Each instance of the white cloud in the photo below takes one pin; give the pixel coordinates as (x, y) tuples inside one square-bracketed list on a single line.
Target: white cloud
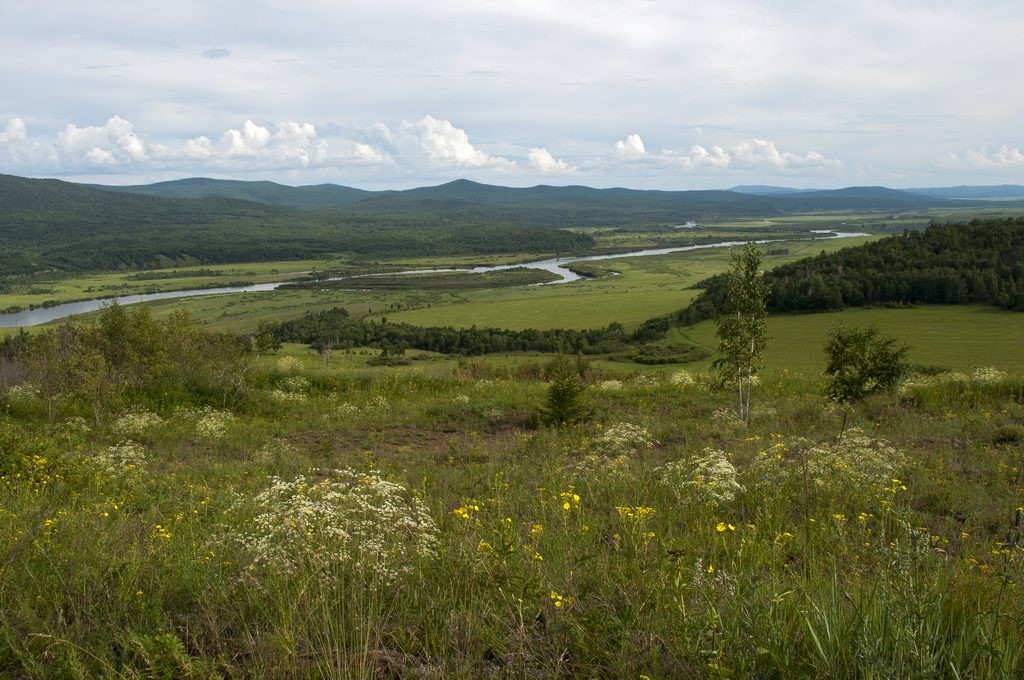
[(444, 144), (1003, 157), (716, 157), (15, 132), (754, 154), (542, 160), (114, 142), (630, 147)]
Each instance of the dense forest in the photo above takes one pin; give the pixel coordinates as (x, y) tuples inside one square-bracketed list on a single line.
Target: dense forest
[(981, 261)]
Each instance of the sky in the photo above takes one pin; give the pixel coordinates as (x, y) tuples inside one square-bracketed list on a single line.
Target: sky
[(648, 94)]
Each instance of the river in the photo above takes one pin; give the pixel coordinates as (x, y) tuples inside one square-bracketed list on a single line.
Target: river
[(41, 315)]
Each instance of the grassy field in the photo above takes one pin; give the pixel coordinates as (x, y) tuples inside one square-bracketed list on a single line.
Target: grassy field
[(337, 520), (646, 287), (953, 338)]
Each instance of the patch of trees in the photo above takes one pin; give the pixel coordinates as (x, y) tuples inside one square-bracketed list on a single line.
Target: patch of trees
[(125, 356), (335, 329), (981, 261)]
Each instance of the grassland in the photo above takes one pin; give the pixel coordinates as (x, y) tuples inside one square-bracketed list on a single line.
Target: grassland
[(180, 538)]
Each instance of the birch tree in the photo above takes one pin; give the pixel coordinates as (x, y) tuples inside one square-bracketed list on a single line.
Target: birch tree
[(741, 326)]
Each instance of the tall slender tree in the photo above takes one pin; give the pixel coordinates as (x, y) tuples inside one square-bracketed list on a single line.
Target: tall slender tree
[(741, 326)]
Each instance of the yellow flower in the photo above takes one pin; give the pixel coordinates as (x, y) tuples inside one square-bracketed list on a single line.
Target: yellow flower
[(723, 526)]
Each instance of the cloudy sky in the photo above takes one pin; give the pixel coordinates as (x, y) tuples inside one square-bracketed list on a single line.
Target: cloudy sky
[(391, 94)]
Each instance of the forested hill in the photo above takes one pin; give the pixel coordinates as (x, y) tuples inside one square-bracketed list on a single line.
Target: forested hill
[(53, 225), (270, 193), (539, 205), (978, 262)]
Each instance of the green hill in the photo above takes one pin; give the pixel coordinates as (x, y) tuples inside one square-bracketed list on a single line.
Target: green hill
[(270, 193)]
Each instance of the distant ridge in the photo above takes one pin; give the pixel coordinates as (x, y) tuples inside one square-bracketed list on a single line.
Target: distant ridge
[(1002, 191), (766, 190), (269, 193)]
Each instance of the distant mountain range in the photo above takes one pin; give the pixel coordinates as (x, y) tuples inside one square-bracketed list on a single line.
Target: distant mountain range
[(992, 193), (51, 224), (465, 193)]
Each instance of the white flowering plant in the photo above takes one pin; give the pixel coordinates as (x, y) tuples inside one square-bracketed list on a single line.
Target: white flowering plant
[(710, 479), (335, 519)]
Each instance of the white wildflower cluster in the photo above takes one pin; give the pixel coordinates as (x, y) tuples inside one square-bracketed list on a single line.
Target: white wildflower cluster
[(378, 403), (282, 397), (213, 423), (345, 519), (645, 380), (624, 439), (75, 426), (682, 378), (22, 392), (709, 479), (135, 422), (988, 376), (460, 399), (609, 385), (349, 410), (916, 381), (857, 462), (296, 384), (292, 390), (981, 376), (122, 460), (288, 365)]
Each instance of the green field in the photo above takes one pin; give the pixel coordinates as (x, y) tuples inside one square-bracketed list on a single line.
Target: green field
[(954, 338)]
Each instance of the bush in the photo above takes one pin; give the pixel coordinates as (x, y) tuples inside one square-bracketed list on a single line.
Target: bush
[(566, 401), (862, 363)]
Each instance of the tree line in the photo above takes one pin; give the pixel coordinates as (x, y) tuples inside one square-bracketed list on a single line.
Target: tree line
[(977, 262), (336, 329)]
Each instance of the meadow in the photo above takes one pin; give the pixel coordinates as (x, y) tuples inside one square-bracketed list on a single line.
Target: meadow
[(339, 520)]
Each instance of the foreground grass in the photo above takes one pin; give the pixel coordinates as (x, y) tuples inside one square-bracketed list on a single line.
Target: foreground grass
[(601, 550)]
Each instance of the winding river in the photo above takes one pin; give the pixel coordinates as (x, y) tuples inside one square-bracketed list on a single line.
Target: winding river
[(556, 265)]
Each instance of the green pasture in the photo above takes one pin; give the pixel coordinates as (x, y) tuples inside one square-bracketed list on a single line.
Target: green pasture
[(948, 337)]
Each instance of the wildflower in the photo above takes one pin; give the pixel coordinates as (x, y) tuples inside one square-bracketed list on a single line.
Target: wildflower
[(722, 527), (537, 557), (710, 479), (638, 514), (135, 422), (610, 385), (988, 376), (682, 378), (624, 439), (121, 460), (358, 520), (570, 499)]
